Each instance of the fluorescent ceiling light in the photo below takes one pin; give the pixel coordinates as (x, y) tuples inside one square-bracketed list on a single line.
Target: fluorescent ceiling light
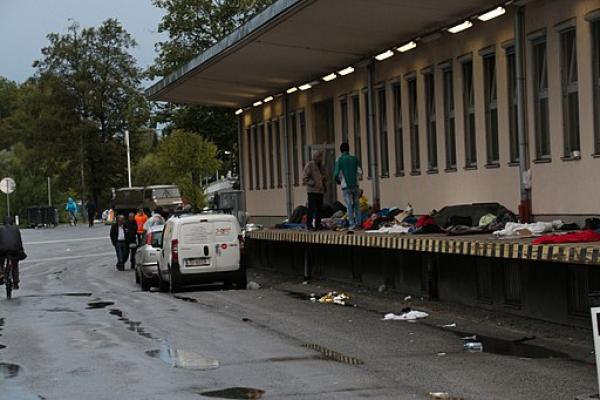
[(257, 103), (384, 55), (406, 47), (460, 27), (306, 86), (238, 112), (496, 12), (292, 90), (346, 71), (329, 77), (268, 99)]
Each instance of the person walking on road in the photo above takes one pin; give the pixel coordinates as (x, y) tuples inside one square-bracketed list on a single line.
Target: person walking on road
[(11, 248), (140, 220), (118, 237), (315, 179), (346, 173), (90, 207), (133, 241), (72, 208)]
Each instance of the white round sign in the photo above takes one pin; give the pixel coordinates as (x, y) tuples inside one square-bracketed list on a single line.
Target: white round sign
[(8, 185)]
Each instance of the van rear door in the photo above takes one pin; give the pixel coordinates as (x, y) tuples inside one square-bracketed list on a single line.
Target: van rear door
[(227, 246), (196, 247)]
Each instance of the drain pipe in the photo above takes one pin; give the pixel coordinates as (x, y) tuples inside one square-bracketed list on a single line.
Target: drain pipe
[(524, 177), (286, 159), (371, 138)]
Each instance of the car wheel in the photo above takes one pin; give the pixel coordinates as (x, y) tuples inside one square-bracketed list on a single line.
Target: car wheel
[(162, 285), (145, 283)]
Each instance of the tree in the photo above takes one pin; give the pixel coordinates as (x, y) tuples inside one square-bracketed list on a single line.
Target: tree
[(185, 159), (95, 67), (193, 27)]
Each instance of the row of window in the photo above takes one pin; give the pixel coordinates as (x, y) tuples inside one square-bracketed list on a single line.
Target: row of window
[(264, 151), (570, 93)]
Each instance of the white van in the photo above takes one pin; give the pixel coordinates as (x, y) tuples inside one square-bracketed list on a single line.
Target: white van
[(201, 248)]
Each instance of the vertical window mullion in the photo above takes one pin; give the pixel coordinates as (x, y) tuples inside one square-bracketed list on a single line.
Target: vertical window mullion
[(249, 149), (263, 155), (302, 128), (450, 132), (369, 160), (294, 148), (414, 126), (469, 110), (356, 125), (344, 117), (277, 131), (596, 82), (398, 141), (570, 89), (383, 134), (271, 156), (491, 109), (256, 158)]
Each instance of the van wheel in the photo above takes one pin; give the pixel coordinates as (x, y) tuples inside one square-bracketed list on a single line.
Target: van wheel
[(137, 276), (242, 281), (162, 285), (173, 281), (145, 283)]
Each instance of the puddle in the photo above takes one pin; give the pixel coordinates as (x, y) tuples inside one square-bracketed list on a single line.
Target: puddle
[(76, 294), (516, 348), (95, 305), (133, 326), (8, 371), (59, 309), (177, 358), (188, 299), (116, 312), (2, 346), (235, 393)]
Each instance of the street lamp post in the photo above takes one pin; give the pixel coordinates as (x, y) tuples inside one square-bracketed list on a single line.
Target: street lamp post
[(128, 156)]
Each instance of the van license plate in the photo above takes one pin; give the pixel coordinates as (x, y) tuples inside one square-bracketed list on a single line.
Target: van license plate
[(197, 262)]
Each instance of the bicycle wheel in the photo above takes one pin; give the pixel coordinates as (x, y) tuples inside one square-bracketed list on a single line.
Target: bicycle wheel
[(8, 278)]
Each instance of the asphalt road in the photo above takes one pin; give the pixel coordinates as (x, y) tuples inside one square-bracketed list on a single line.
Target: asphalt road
[(63, 343)]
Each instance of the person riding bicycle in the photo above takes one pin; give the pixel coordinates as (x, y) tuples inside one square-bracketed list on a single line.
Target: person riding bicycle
[(11, 248), (72, 208)]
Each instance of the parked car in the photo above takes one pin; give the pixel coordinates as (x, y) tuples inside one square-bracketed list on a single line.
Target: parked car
[(201, 248), (146, 257)]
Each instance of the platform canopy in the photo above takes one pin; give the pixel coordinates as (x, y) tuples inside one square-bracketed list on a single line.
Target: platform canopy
[(295, 41)]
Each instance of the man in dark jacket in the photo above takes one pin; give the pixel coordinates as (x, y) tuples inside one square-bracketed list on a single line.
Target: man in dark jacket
[(90, 207), (118, 237), (131, 228), (11, 248)]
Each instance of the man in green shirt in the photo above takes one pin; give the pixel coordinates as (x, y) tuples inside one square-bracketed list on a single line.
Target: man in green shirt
[(347, 172)]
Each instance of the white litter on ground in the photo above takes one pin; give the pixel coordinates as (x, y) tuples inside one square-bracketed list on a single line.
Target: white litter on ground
[(453, 325), (408, 316), (252, 286)]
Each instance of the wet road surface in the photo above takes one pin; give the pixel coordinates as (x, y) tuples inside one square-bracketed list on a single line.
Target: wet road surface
[(79, 329)]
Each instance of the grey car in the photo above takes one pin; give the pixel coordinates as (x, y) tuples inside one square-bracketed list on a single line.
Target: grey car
[(146, 257)]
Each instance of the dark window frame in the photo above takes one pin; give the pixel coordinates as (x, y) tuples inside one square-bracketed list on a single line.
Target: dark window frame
[(263, 154), (398, 132), (469, 114), (344, 118), (369, 158), (271, 154), (449, 118), (256, 157), (277, 132), (292, 122), (511, 77), (595, 31), (570, 91), (430, 115), (543, 146), (301, 121), (490, 87), (384, 157), (250, 172), (413, 120), (357, 128)]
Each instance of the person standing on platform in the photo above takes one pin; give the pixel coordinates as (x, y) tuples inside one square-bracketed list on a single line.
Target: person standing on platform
[(346, 173), (315, 179)]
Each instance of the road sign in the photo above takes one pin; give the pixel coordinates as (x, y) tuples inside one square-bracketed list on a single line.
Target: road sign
[(8, 185)]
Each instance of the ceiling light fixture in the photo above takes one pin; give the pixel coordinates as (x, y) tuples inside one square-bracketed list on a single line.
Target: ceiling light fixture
[(460, 27), (408, 46), (306, 86), (346, 71), (330, 77), (496, 12), (385, 55), (257, 103), (238, 112), (268, 99), (292, 90)]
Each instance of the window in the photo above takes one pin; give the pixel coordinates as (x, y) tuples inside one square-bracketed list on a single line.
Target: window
[(302, 123), (491, 109), (263, 154), (256, 158), (596, 81), (250, 175), (469, 111), (294, 148), (369, 160), (383, 133), (344, 116), (513, 135), (570, 90), (449, 119), (431, 127), (398, 142), (415, 162), (277, 133), (271, 155), (540, 96), (356, 125)]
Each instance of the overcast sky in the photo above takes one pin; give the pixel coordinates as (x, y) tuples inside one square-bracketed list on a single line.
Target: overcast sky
[(25, 23)]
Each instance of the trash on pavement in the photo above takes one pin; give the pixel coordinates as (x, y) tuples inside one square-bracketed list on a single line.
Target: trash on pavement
[(474, 337), (406, 316), (439, 395), (335, 298), (452, 325), (474, 347), (381, 289), (407, 298), (252, 286)]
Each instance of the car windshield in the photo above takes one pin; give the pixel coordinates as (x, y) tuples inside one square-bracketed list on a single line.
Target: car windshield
[(165, 193)]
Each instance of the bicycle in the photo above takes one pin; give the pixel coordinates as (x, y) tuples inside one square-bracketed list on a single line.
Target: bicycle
[(7, 268)]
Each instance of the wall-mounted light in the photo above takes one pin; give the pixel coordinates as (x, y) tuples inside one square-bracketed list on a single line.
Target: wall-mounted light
[(329, 77), (406, 47), (306, 86), (268, 99), (385, 55), (238, 112), (460, 27), (496, 12), (257, 103), (346, 71), (292, 90)]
